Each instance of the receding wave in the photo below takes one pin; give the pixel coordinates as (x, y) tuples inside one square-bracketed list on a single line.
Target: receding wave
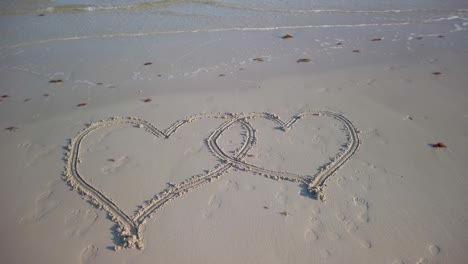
[(151, 33), (168, 3)]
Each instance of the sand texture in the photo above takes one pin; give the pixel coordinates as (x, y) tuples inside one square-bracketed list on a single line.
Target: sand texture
[(130, 227), (233, 131)]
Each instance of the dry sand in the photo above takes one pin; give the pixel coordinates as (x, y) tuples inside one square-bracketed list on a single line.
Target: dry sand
[(232, 144)]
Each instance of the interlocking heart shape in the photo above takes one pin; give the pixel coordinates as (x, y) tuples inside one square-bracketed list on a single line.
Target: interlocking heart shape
[(130, 227)]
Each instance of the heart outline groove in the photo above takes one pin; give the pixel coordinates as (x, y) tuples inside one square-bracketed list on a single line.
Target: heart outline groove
[(129, 229)]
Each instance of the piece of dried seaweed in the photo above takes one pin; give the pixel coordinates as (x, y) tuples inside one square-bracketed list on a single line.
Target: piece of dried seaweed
[(439, 145), (303, 60)]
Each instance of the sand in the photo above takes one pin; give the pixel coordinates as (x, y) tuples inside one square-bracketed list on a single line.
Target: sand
[(130, 227), (193, 132)]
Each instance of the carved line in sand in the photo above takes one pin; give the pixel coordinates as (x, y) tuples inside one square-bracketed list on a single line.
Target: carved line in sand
[(130, 228)]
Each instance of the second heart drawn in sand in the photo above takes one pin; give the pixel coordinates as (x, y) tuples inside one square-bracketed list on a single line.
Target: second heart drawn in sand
[(129, 228)]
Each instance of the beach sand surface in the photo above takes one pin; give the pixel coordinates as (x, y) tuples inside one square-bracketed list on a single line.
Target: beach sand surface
[(131, 103)]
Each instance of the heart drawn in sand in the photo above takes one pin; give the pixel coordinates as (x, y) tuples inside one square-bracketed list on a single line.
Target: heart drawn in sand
[(130, 227)]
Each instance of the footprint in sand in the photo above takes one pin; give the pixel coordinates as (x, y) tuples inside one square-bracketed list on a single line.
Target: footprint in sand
[(89, 254), (350, 226), (341, 182), (78, 223), (364, 243), (362, 216), (311, 232), (422, 261), (315, 209), (340, 216), (434, 249), (310, 235), (214, 203), (226, 185), (353, 229), (281, 196), (44, 204), (363, 178), (315, 223)]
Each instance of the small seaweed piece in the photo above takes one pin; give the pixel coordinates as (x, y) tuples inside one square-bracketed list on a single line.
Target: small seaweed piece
[(27, 99), (437, 73), (439, 145), (81, 104), (147, 100), (284, 213), (266, 207), (339, 43), (56, 81), (258, 59), (356, 51), (302, 60), (111, 160), (148, 63), (287, 36), (12, 128), (377, 39)]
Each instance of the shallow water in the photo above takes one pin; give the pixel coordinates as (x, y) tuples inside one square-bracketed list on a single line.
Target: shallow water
[(28, 22)]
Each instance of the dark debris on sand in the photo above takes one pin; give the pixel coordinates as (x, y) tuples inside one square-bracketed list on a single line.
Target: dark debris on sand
[(439, 145), (12, 128), (303, 60)]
